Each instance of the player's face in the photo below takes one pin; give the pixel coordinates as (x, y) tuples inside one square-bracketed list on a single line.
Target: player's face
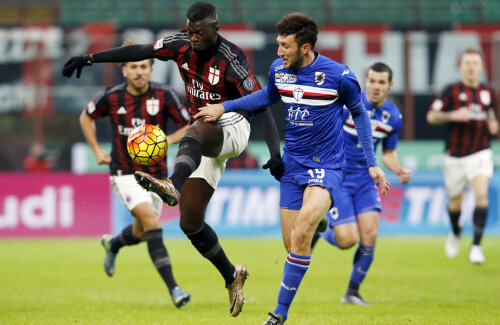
[(377, 87), (138, 74), (289, 51), (202, 34), (471, 66)]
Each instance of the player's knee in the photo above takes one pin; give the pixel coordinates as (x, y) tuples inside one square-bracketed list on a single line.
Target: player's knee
[(481, 197), (299, 238), (139, 234), (346, 242), (151, 223), (189, 226), (455, 204), (193, 132), (482, 201), (347, 235), (369, 236)]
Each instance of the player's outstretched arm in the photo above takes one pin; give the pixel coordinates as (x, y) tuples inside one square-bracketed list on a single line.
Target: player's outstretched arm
[(210, 113), (391, 161), (249, 103), (128, 53)]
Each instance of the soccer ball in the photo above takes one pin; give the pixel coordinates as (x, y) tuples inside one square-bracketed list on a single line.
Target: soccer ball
[(147, 144)]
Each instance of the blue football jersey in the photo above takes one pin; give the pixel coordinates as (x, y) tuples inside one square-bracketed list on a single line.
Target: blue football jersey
[(314, 97), (386, 122)]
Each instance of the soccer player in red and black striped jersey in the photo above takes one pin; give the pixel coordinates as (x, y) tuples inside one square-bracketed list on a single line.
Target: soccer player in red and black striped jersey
[(468, 108), (129, 105), (213, 70)]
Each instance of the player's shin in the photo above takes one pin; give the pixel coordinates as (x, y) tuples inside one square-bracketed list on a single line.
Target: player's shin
[(454, 218), (479, 220), (362, 261), (125, 238), (187, 161), (160, 258), (295, 268), (206, 242)]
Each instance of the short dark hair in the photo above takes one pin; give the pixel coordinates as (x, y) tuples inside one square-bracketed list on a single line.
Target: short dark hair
[(201, 10), (381, 67), (302, 26)]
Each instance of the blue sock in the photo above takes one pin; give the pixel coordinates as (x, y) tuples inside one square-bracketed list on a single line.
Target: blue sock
[(293, 272), (329, 236), (361, 263)]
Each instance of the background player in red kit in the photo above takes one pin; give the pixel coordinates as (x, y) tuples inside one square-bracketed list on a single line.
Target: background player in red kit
[(129, 105), (214, 70), (468, 108)]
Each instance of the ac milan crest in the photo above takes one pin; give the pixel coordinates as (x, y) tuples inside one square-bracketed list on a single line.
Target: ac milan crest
[(153, 106), (213, 76), (485, 97)]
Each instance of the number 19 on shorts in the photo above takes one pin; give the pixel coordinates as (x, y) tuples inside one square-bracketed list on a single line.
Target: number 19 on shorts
[(317, 175)]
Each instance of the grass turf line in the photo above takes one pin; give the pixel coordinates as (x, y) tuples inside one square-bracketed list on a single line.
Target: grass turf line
[(410, 282)]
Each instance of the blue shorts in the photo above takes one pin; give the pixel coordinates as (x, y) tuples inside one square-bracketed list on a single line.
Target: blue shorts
[(297, 177), (358, 194)]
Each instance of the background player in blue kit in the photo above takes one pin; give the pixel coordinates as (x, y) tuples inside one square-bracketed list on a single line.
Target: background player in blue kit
[(314, 89), (358, 207)]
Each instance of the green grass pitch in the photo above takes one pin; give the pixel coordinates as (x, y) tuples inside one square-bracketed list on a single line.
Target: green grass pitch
[(410, 282)]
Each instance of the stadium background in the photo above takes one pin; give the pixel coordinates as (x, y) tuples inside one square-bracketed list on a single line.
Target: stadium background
[(421, 40), (50, 222)]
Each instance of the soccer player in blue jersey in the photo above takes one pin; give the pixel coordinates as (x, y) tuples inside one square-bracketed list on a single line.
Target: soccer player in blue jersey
[(358, 207), (314, 90)]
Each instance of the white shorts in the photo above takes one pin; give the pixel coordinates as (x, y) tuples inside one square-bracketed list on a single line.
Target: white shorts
[(235, 142), (458, 171), (131, 193)]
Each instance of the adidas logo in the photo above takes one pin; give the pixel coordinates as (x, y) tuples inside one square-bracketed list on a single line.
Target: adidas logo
[(122, 110), (185, 66)]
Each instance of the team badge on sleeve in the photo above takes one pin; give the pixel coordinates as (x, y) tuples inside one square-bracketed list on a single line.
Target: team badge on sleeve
[(437, 105), (90, 107), (248, 84), (158, 44)]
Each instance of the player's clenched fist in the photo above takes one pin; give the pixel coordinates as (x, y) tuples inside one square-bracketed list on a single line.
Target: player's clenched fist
[(76, 63)]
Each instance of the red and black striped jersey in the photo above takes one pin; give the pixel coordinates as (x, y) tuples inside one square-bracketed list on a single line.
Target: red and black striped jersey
[(127, 112), (211, 76), (467, 138)]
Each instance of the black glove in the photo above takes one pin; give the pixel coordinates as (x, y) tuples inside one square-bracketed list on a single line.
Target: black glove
[(76, 63), (276, 167)]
